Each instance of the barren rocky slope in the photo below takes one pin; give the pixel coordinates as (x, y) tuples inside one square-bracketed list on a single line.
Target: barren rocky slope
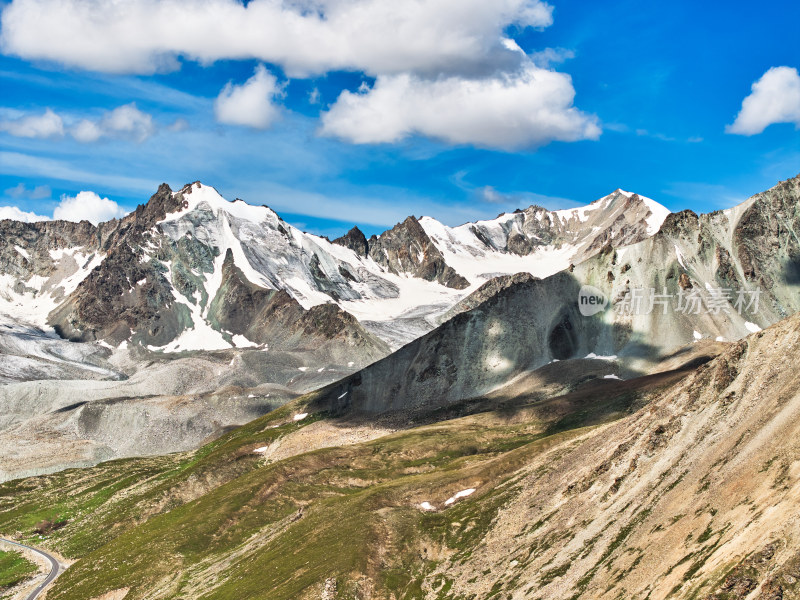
[(693, 496)]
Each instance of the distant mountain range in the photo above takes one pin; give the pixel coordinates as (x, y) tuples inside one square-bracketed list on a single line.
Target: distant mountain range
[(192, 271)]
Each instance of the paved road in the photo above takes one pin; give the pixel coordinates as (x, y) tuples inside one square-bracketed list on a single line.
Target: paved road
[(53, 569)]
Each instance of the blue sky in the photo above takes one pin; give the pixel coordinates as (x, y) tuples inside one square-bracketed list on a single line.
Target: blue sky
[(373, 113)]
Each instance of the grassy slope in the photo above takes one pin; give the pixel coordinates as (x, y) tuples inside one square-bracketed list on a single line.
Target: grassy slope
[(223, 523), (14, 569)]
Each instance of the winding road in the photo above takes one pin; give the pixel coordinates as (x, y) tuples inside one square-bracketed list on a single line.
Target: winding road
[(54, 568)]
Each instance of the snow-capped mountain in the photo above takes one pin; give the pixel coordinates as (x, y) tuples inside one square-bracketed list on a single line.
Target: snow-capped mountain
[(190, 270)]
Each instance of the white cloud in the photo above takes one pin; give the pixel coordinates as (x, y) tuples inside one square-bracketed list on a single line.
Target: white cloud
[(15, 214), (87, 206), (530, 108), (84, 206), (86, 131), (124, 122), (46, 125), (775, 99), (252, 103), (302, 36)]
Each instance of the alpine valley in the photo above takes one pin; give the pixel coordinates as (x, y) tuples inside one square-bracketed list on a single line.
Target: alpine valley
[(201, 401)]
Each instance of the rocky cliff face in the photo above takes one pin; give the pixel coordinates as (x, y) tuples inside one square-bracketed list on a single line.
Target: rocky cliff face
[(406, 248), (274, 318)]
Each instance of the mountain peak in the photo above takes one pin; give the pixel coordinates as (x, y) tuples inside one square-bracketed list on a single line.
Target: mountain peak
[(355, 240), (193, 194)]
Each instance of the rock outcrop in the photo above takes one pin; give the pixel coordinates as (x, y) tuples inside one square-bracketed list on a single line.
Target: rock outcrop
[(406, 248)]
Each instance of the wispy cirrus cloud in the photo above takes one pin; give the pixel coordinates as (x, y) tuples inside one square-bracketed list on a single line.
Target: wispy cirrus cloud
[(23, 192), (19, 164)]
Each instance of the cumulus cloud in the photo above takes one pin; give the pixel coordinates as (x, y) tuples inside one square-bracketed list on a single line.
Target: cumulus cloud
[(775, 99), (528, 108), (251, 104), (45, 125), (83, 206), (15, 214), (124, 122), (302, 36), (443, 69), (87, 206)]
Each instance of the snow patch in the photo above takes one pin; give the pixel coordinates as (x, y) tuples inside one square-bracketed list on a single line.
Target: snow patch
[(426, 506), (680, 257), (752, 327), (241, 341), (461, 494), (658, 214), (201, 336), (594, 356), (300, 416)]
